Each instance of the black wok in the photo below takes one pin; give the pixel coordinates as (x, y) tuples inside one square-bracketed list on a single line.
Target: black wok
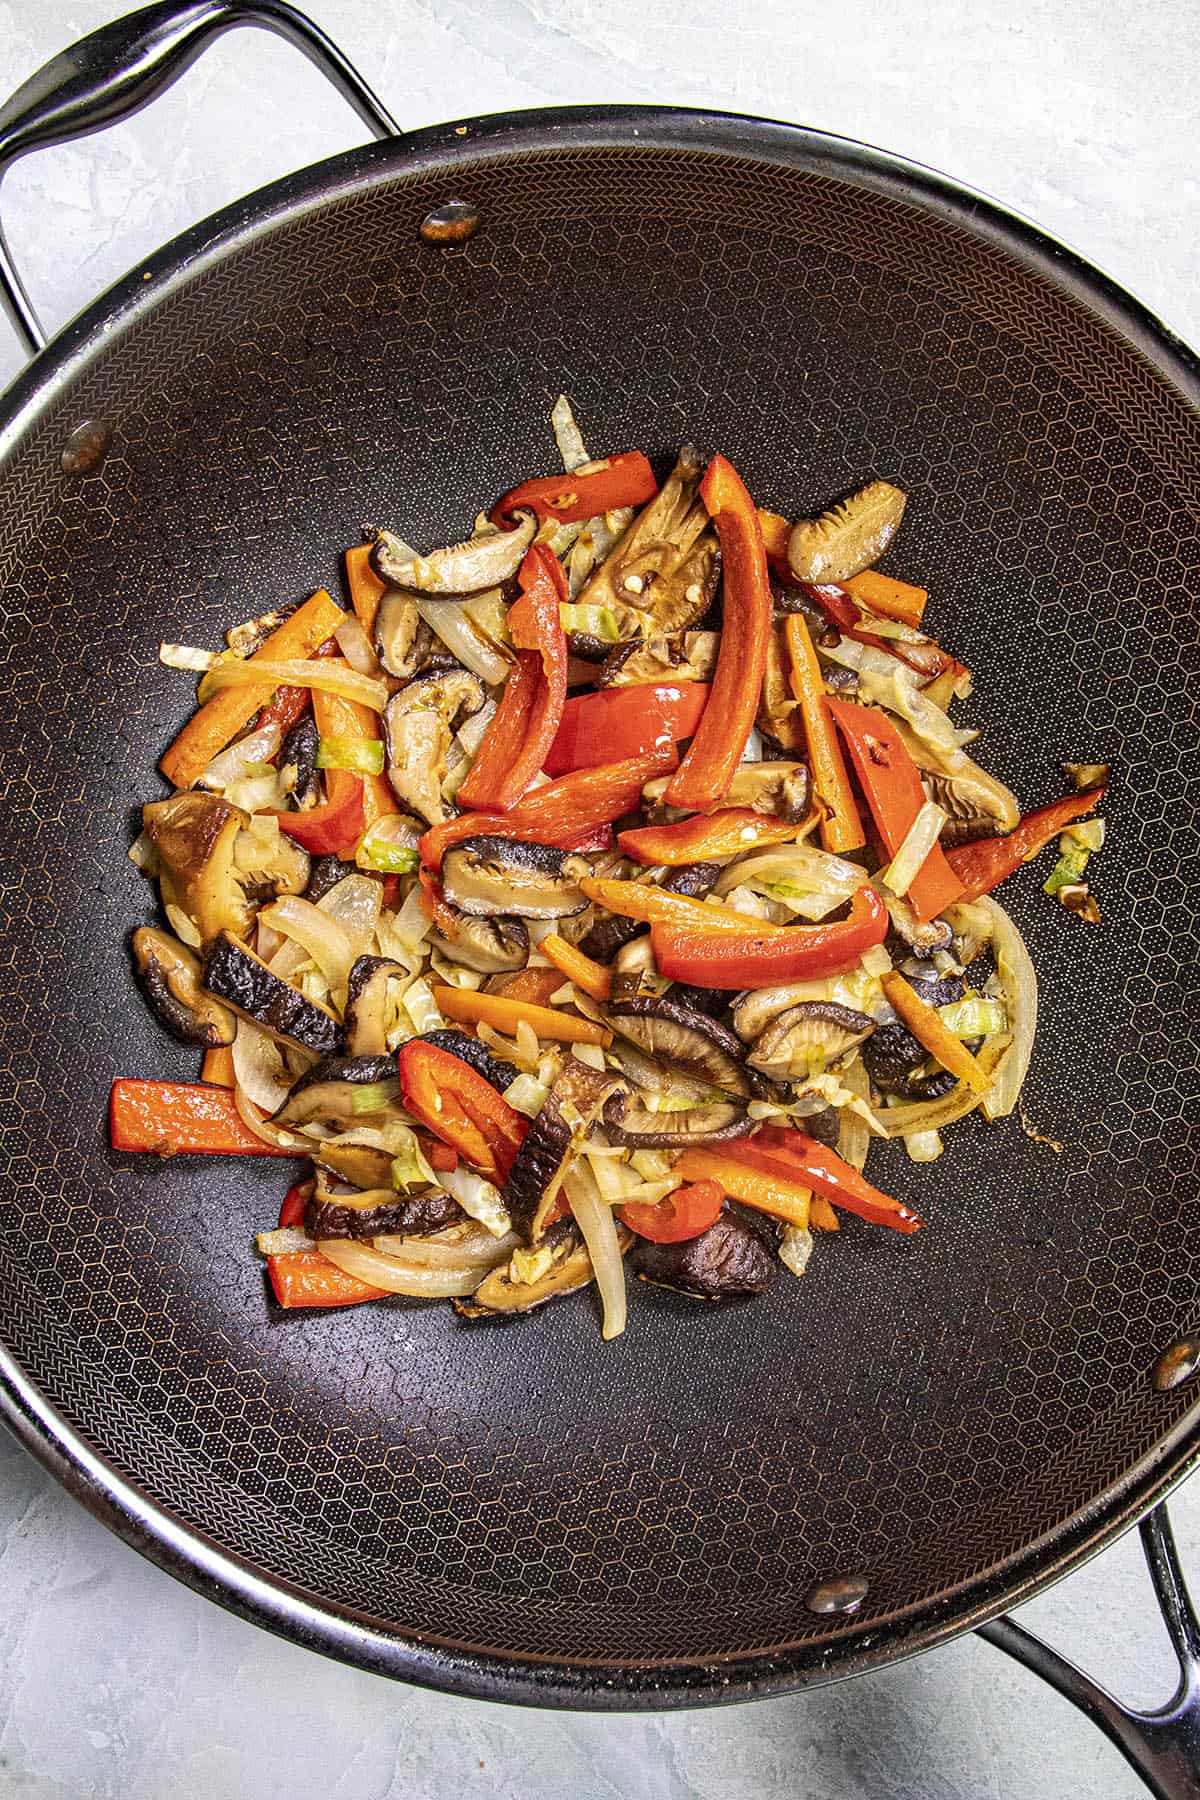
[(730, 1502)]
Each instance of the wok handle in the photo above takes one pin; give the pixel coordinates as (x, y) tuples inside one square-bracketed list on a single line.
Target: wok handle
[(120, 68), (1162, 1745)]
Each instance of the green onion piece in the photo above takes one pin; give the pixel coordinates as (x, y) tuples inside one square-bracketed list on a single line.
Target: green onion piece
[(594, 621), (1084, 834), (374, 1095), (387, 859), (362, 755), (1068, 868), (973, 1018)]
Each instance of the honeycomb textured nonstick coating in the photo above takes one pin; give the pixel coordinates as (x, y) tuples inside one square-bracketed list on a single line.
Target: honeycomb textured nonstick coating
[(916, 1412)]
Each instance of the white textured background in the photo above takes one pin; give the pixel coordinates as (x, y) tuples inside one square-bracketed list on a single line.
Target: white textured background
[(114, 1681)]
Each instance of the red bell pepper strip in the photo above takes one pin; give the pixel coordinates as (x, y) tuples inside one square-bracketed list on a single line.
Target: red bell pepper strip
[(440, 1157), (592, 842), (891, 782), (560, 812), (682, 1215), (174, 1118), (706, 771), (729, 960), (626, 721), (708, 837), (824, 1170), (982, 866), (288, 705), (600, 487), (333, 829), (517, 742), (460, 1107), (291, 1213)]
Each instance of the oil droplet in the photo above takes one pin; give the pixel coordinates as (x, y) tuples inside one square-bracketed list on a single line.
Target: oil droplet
[(452, 223), (86, 448), (1176, 1365), (843, 1594)]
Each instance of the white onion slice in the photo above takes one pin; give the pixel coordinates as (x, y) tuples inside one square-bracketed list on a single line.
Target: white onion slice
[(230, 765), (1019, 981), (595, 1220), (919, 840), (321, 937), (432, 1253), (355, 646), (402, 1275), (258, 1067), (325, 675), (275, 1135)]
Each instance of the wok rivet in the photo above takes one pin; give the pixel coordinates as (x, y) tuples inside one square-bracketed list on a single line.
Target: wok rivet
[(86, 448), (1176, 1365), (452, 223), (844, 1594)]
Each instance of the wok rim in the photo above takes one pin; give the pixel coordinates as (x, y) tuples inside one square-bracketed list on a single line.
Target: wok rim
[(117, 1501)]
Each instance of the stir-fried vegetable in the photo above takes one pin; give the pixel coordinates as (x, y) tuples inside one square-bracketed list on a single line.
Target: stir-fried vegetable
[(532, 978), (705, 773)]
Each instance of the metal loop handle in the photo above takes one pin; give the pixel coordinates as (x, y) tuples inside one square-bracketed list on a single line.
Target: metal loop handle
[(1163, 1745), (120, 68)]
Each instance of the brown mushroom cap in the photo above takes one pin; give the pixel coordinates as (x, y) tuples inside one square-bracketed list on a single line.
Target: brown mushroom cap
[(418, 722), (849, 537), (663, 573), (170, 974), (195, 835), (813, 1032)]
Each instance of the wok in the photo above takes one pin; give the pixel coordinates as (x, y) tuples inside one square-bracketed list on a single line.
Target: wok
[(728, 1502)]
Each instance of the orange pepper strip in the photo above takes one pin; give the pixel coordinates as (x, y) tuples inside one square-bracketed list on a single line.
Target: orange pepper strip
[(591, 977), (760, 1188), (177, 1118), (306, 1278), (821, 1215), (220, 719), (716, 749), (931, 1034), (841, 829), (217, 1067), (709, 837), (654, 906), (338, 717), (503, 1014), (366, 587), (434, 905), (887, 597), (533, 986)]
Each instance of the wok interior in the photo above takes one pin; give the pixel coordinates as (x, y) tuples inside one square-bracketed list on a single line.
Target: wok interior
[(917, 1413)]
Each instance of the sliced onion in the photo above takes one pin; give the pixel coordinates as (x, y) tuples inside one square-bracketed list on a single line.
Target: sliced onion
[(919, 840), (182, 925), (230, 765), (258, 1067), (449, 621), (143, 855), (478, 1247), (854, 1133), (800, 865), (284, 1242), (275, 1135), (403, 1274), (526, 1095), (795, 1248), (567, 435), (323, 675), (479, 1199), (1018, 978), (321, 937), (186, 656), (599, 1229), (355, 646), (923, 1146)]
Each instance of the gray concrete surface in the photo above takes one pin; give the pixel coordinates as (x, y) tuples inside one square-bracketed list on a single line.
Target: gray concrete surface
[(114, 1681)]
